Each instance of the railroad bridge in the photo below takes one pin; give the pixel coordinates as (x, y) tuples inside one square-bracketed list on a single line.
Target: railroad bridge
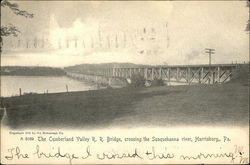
[(189, 74)]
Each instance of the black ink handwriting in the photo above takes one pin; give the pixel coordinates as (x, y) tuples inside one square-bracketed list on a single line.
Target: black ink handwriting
[(119, 156), (58, 154), (16, 152), (152, 155)]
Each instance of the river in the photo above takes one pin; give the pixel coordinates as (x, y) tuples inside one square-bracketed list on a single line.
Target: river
[(10, 85)]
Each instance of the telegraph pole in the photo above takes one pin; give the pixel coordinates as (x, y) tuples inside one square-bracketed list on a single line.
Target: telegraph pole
[(209, 51)]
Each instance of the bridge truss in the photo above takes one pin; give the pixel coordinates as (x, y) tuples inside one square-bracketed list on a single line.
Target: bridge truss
[(191, 74)]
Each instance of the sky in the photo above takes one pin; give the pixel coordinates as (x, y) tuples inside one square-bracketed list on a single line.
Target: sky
[(174, 32)]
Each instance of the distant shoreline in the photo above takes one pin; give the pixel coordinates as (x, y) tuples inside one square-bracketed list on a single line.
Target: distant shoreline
[(31, 71)]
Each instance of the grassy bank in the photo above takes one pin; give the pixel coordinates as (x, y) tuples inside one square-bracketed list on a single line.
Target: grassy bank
[(226, 104)]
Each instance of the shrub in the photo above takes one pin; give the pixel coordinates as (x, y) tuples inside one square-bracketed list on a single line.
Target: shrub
[(157, 82), (137, 80)]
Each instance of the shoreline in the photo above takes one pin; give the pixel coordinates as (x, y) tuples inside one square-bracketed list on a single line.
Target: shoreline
[(225, 104)]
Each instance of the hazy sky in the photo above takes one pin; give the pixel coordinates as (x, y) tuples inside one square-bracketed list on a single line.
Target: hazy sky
[(182, 30)]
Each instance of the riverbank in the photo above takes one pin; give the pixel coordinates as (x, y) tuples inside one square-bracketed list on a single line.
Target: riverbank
[(224, 105)]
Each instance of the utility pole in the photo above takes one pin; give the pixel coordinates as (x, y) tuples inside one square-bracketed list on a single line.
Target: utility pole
[(210, 52)]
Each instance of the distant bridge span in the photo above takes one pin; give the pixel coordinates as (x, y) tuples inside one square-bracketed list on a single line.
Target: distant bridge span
[(203, 74)]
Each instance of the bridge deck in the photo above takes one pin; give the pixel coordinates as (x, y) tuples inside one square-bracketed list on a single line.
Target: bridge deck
[(185, 66)]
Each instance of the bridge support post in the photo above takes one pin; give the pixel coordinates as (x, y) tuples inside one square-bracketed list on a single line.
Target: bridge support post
[(113, 72), (209, 76), (125, 73), (160, 73), (152, 74), (213, 76), (177, 74), (199, 76), (146, 73), (168, 75), (110, 80), (218, 74), (188, 75), (231, 70), (202, 74)]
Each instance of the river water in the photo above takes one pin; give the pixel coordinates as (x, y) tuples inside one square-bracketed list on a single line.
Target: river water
[(10, 85)]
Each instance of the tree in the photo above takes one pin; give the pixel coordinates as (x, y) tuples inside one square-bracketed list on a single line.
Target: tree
[(137, 80), (11, 30)]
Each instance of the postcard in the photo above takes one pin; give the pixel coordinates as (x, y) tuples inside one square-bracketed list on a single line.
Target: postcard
[(124, 82)]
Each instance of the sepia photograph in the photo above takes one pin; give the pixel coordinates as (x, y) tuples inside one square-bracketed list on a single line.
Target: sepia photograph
[(104, 65)]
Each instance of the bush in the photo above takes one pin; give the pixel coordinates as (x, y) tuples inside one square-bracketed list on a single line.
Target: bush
[(157, 82), (137, 80)]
